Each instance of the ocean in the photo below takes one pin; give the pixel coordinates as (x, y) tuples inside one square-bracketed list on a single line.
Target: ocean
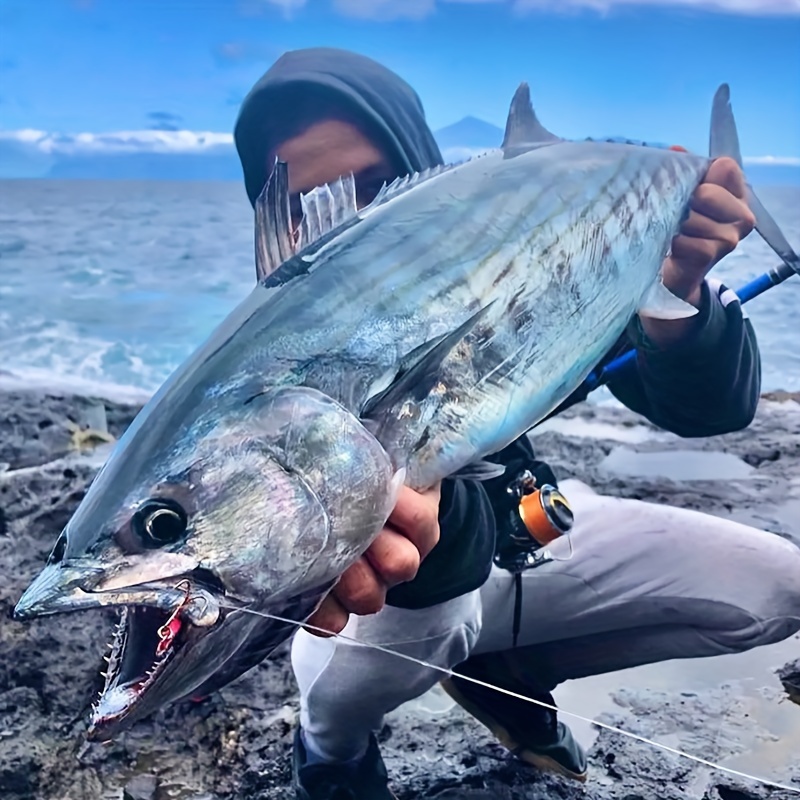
[(107, 286)]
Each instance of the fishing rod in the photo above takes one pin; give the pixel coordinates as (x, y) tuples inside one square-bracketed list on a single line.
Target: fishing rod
[(626, 361)]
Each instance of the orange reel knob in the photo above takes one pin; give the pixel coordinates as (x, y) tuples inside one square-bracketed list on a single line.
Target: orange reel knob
[(546, 514)]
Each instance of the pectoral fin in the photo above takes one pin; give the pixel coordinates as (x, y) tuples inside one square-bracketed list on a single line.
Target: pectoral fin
[(661, 303), (480, 471), (419, 373)]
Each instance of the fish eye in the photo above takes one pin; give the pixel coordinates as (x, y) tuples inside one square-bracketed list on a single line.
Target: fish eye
[(159, 521)]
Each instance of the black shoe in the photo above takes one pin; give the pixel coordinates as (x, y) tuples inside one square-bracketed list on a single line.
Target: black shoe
[(366, 781), (531, 732)]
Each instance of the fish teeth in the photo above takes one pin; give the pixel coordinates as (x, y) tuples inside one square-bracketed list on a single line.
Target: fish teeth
[(115, 646)]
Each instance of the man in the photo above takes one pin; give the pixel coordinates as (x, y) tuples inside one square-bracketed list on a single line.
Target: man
[(635, 590)]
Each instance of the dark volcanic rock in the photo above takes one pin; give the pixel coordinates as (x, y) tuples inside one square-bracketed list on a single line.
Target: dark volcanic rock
[(141, 787), (790, 678), (36, 428), (236, 746)]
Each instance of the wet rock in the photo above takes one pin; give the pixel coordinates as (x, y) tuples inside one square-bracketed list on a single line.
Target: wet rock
[(36, 427), (781, 396), (237, 745), (141, 787), (790, 678), (739, 791)]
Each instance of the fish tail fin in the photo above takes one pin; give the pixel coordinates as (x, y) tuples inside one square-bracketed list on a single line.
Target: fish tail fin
[(724, 141)]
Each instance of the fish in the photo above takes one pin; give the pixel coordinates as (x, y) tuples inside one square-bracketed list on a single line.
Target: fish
[(395, 344)]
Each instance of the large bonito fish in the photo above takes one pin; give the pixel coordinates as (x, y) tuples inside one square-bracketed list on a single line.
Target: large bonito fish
[(403, 342)]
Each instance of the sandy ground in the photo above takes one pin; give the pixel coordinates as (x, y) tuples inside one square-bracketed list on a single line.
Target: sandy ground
[(237, 745)]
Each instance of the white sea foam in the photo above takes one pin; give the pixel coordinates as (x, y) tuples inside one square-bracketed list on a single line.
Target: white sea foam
[(107, 287)]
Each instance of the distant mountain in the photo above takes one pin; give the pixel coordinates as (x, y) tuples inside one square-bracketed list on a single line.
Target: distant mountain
[(469, 132), (467, 138)]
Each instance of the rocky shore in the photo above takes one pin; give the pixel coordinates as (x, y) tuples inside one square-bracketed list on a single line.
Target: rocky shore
[(236, 746)]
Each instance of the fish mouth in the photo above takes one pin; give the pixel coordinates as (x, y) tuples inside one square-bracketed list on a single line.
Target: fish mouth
[(172, 640), (139, 655), (164, 644), (143, 663)]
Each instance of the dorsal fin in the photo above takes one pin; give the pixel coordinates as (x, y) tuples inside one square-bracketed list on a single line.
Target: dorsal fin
[(326, 208), (332, 205), (523, 129), (402, 185), (274, 241)]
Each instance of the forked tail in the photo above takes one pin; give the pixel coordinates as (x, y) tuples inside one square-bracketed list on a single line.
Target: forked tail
[(724, 141)]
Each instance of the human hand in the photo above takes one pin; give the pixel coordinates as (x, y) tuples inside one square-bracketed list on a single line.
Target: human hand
[(394, 557), (718, 220)]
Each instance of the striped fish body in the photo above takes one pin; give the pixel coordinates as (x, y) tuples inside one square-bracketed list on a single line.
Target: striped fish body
[(558, 247), (402, 342)]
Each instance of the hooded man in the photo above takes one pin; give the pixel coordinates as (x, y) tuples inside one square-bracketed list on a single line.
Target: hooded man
[(635, 590)]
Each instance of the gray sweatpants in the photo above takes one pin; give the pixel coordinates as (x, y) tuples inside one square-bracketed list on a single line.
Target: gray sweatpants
[(645, 583)]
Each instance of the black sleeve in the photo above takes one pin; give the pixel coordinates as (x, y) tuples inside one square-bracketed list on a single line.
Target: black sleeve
[(708, 385), (462, 559)]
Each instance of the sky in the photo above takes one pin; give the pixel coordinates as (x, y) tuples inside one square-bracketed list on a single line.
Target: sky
[(646, 69)]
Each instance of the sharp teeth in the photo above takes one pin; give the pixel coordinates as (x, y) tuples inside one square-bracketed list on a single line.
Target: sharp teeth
[(107, 659)]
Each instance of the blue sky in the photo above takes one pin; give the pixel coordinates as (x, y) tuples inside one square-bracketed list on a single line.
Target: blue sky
[(640, 68)]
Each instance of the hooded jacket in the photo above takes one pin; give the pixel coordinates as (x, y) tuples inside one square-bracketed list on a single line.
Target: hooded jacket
[(363, 87), (707, 386)]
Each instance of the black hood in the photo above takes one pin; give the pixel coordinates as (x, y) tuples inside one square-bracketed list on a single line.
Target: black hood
[(364, 88)]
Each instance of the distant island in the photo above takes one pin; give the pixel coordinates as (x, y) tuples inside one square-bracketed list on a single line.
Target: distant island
[(117, 158)]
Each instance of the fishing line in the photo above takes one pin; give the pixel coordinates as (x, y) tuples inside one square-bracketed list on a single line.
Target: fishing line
[(515, 695)]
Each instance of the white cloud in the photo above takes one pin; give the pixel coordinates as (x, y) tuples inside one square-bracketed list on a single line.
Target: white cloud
[(254, 7), (419, 9), (452, 155), (776, 161), (147, 141), (397, 9), (756, 8), (198, 142), (385, 9), (286, 5)]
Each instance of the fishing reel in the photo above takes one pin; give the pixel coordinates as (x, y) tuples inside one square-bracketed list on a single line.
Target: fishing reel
[(533, 517)]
